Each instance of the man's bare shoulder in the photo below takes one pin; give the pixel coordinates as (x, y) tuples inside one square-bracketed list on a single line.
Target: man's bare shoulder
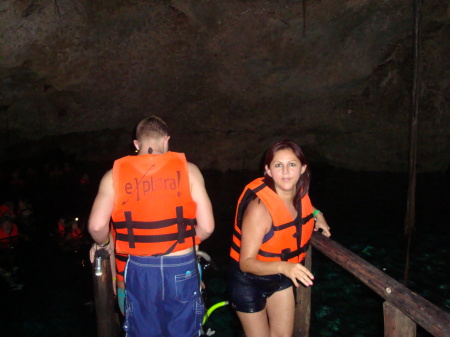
[(108, 176), (192, 166), (107, 181), (194, 172)]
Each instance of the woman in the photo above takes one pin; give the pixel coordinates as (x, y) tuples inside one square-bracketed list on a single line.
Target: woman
[(274, 222)]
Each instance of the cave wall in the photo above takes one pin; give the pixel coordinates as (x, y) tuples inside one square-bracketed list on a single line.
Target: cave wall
[(229, 77)]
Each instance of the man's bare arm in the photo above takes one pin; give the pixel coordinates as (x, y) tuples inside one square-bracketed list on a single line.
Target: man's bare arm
[(205, 217), (100, 217)]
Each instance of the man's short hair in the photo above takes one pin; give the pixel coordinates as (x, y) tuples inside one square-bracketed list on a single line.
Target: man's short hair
[(151, 127)]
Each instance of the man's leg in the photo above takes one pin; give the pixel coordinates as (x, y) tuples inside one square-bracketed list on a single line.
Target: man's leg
[(143, 314), (183, 305)]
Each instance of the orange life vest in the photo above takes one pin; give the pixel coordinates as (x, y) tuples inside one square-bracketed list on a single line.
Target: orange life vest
[(61, 229), (154, 213), (121, 263), (6, 210), (76, 234), (121, 259), (288, 238), (4, 236)]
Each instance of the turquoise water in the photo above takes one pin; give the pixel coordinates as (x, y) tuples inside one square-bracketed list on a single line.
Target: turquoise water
[(364, 210)]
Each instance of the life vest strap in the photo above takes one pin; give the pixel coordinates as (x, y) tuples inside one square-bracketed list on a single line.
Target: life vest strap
[(250, 194), (179, 236), (168, 251), (129, 226), (286, 254), (155, 238), (235, 247), (278, 228), (181, 224), (292, 223), (237, 234), (122, 257), (307, 218), (154, 224), (259, 188), (181, 231)]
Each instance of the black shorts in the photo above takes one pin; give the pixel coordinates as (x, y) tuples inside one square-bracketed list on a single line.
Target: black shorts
[(248, 292)]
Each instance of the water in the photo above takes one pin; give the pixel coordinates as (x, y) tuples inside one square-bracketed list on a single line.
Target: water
[(364, 210)]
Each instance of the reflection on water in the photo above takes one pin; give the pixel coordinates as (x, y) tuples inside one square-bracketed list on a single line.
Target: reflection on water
[(364, 210)]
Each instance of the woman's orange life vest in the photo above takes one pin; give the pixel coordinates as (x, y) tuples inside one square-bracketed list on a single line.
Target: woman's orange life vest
[(288, 239), (154, 213)]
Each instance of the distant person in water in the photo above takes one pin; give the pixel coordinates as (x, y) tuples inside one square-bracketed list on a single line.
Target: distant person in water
[(7, 209), (9, 238), (9, 233), (25, 216), (161, 212), (274, 223)]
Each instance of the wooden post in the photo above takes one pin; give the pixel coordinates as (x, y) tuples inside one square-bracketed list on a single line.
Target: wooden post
[(303, 304), (397, 324), (107, 320)]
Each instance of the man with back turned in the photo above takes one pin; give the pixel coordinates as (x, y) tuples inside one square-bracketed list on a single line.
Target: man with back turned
[(161, 212)]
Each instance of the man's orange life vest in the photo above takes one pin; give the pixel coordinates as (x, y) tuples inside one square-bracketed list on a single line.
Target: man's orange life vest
[(154, 213), (121, 263), (121, 259), (288, 239)]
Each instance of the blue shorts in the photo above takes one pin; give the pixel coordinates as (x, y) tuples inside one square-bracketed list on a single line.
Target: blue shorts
[(163, 296), (248, 292)]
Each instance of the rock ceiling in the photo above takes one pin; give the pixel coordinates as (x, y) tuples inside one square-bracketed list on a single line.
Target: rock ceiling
[(229, 77)]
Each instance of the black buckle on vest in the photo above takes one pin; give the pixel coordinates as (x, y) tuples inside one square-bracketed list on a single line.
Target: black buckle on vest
[(181, 225), (285, 254), (181, 231), (129, 223)]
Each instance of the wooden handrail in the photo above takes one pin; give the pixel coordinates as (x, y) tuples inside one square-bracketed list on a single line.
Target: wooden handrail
[(108, 324), (421, 311)]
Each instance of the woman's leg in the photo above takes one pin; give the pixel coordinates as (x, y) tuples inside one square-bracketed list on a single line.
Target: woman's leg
[(281, 310), (255, 324)]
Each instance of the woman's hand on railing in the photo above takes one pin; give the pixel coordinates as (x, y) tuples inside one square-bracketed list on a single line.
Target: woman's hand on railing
[(321, 225)]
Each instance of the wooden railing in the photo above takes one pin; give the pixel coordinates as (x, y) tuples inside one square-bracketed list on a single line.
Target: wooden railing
[(107, 319), (403, 308)]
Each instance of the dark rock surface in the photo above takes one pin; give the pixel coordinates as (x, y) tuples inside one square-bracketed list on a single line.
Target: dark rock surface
[(229, 77)]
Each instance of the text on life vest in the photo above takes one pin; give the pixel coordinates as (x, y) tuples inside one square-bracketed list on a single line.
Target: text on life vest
[(140, 188)]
